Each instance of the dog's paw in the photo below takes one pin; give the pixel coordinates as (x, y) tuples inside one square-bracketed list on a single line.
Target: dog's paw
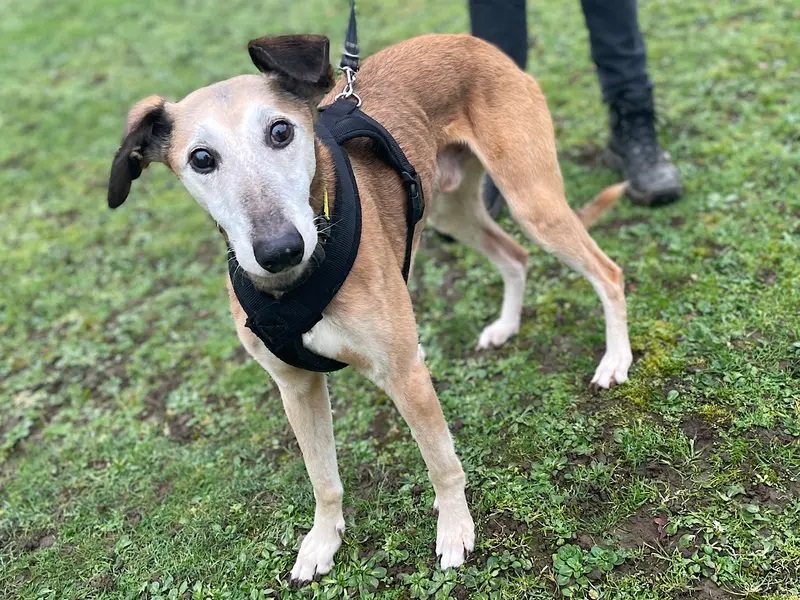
[(612, 370), (317, 550), (455, 537), (497, 333)]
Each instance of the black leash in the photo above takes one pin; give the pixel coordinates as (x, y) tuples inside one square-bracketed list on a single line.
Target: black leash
[(350, 54), (349, 62)]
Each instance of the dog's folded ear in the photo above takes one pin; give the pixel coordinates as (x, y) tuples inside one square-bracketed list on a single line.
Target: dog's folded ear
[(146, 140), (301, 62)]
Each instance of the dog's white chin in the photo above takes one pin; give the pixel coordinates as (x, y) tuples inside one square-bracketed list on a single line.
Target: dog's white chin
[(278, 282)]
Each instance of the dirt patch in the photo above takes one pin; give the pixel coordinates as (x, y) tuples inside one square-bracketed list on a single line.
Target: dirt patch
[(705, 589), (660, 473), (613, 225), (163, 489), (676, 221), (396, 572), (460, 592), (503, 526), (9, 425), (641, 529), (38, 541), (155, 402), (557, 355), (698, 429), (769, 437), (133, 517), (181, 428), (103, 581), (591, 502), (385, 425), (98, 464), (770, 497), (766, 276), (18, 161)]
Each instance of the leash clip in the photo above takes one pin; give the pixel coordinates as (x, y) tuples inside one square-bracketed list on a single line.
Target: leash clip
[(349, 87)]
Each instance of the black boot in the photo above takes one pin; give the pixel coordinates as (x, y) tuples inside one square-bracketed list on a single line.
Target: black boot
[(634, 150), (492, 198)]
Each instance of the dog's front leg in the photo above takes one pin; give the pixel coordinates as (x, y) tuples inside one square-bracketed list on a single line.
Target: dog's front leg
[(305, 400), (410, 388)]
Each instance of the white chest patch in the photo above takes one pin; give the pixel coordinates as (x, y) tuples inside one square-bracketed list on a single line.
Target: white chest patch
[(329, 339), (325, 339)]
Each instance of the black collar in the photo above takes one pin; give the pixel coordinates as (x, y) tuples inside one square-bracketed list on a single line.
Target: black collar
[(281, 322)]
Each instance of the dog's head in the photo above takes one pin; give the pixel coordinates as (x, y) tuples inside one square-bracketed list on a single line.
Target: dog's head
[(244, 149)]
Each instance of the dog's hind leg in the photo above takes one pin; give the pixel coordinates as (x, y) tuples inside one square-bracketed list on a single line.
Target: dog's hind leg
[(516, 144), (459, 211), (541, 209), (543, 213)]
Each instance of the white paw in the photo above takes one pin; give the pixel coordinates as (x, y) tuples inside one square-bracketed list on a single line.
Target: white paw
[(497, 333), (317, 550), (421, 352), (455, 537), (613, 369)]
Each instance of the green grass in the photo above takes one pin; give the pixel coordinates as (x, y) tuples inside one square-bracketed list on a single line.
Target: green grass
[(143, 455)]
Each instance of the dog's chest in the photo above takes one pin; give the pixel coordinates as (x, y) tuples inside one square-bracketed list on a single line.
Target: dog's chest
[(328, 338)]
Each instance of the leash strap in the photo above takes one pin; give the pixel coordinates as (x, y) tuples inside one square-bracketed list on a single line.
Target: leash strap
[(350, 53)]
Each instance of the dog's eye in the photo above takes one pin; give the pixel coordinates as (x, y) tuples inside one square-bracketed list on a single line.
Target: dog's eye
[(280, 134), (202, 161)]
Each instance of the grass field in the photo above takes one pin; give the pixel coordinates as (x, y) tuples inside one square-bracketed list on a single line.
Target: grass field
[(143, 455)]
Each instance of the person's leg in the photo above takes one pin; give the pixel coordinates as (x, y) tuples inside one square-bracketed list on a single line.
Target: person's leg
[(617, 46), (504, 24), (618, 51)]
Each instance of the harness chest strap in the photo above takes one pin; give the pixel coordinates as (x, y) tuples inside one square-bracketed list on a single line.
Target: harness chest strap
[(281, 322)]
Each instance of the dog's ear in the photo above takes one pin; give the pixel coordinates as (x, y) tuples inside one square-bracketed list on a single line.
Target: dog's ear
[(146, 140), (301, 63)]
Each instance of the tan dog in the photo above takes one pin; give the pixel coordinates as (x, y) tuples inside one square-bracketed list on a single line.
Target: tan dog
[(245, 149)]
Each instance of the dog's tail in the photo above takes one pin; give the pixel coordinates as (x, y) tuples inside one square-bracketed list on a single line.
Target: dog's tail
[(591, 212)]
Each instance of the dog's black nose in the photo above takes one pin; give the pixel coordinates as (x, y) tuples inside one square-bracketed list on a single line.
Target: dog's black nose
[(280, 252)]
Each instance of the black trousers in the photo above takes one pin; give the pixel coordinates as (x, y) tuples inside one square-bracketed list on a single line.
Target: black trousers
[(616, 42)]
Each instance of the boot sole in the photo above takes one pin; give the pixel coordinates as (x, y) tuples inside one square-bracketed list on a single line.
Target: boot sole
[(661, 197)]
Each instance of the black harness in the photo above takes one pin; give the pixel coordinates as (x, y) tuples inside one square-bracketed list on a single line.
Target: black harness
[(281, 322)]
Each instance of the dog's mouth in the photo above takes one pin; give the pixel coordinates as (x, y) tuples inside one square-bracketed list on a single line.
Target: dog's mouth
[(280, 283)]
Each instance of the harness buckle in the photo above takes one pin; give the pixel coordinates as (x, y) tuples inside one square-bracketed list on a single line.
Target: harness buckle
[(413, 185), (349, 87)]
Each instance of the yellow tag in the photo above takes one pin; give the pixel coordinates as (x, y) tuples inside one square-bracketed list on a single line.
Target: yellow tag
[(326, 209)]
